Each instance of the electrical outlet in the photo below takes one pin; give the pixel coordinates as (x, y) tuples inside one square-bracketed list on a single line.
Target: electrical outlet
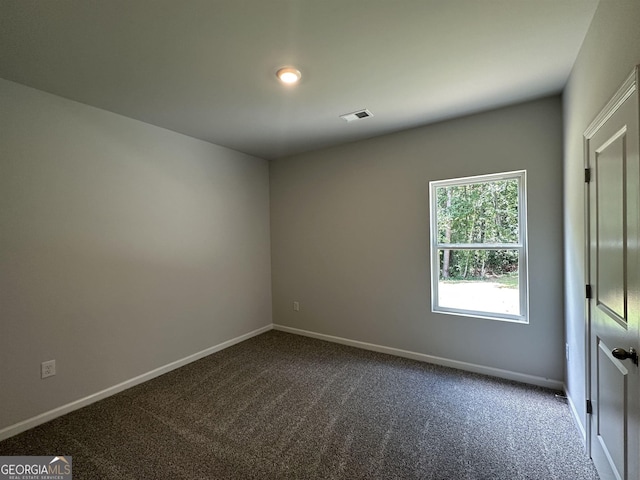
[(566, 351), (48, 369), (296, 306)]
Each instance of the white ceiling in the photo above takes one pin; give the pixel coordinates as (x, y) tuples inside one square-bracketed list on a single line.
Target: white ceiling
[(206, 68)]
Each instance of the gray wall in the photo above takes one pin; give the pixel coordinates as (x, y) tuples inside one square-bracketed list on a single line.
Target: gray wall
[(350, 238), (609, 53), (123, 247)]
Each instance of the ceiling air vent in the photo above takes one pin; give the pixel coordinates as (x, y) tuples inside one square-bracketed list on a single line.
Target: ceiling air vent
[(359, 115)]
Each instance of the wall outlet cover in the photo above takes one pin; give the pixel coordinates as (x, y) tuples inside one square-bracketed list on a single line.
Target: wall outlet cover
[(48, 369)]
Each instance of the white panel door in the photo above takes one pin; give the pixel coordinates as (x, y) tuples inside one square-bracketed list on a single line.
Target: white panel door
[(614, 226)]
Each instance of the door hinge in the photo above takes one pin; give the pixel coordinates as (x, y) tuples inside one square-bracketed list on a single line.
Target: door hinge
[(587, 175), (588, 293), (589, 407)]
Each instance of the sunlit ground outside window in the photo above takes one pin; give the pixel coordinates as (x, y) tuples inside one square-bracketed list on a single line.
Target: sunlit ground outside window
[(488, 282)]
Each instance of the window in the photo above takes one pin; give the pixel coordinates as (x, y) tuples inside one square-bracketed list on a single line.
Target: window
[(479, 246)]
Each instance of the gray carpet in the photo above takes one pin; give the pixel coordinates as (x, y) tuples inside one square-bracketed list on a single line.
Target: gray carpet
[(280, 406)]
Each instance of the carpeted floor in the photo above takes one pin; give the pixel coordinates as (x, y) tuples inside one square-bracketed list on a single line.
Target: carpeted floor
[(280, 406)]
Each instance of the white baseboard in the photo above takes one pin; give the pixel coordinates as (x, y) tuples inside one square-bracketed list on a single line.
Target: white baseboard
[(83, 402), (470, 367), (576, 418)]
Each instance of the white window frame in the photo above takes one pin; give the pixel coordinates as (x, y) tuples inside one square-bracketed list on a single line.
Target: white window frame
[(521, 246)]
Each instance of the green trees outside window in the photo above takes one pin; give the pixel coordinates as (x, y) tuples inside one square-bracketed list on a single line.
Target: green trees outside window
[(478, 213), (478, 236)]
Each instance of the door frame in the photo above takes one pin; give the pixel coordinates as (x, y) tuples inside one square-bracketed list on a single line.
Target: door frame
[(628, 87)]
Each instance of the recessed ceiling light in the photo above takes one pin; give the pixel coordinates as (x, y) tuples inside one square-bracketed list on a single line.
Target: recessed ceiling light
[(288, 75)]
